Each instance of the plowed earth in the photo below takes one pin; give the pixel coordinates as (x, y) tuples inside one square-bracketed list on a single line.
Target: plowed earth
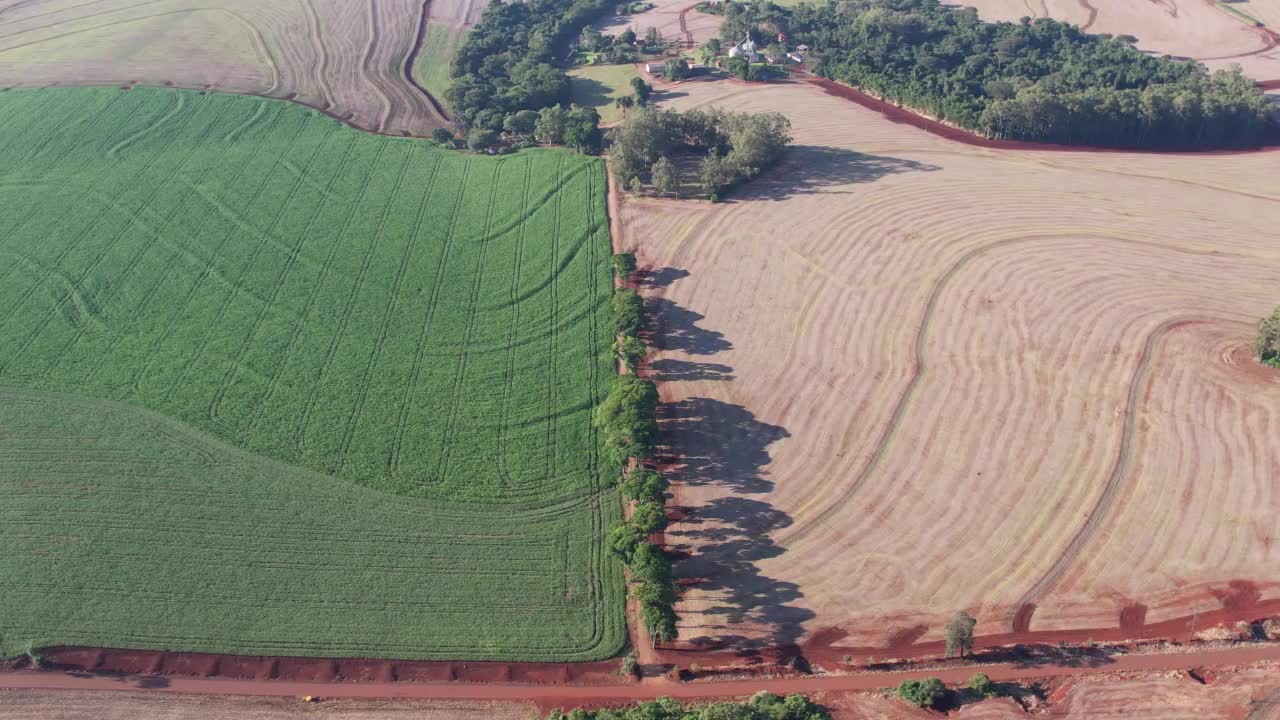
[(350, 59), (674, 20), (905, 377), (1196, 29)]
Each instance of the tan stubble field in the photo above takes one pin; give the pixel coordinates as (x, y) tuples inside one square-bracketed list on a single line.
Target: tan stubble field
[(905, 377)]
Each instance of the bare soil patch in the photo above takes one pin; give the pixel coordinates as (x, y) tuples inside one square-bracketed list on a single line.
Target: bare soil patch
[(904, 377)]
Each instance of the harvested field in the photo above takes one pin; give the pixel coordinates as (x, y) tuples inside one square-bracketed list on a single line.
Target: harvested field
[(1197, 29), (384, 317), (905, 376), (350, 59), (674, 19), (75, 705)]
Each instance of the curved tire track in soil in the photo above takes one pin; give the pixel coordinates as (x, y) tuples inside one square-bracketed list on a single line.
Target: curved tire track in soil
[(684, 26), (1106, 499), (1093, 14), (803, 529), (420, 39)]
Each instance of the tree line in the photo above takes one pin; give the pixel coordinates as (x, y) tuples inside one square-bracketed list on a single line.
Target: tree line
[(734, 147), (1040, 80), (628, 425), (761, 706)]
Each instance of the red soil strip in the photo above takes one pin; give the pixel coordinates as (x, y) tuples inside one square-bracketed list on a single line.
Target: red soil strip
[(551, 696), (418, 42), (1022, 618), (904, 116)]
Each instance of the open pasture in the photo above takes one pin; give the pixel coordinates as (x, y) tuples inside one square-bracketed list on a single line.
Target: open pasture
[(904, 377), (346, 58), (1199, 29), (370, 311)]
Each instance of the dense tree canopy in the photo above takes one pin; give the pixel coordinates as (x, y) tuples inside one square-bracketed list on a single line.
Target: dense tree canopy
[(1040, 80)]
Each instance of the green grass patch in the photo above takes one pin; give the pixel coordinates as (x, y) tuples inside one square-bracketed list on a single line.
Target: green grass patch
[(1240, 14), (351, 317), (431, 66), (598, 86)]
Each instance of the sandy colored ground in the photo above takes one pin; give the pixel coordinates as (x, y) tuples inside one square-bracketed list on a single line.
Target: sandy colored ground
[(905, 377), (87, 705), (1184, 28), (347, 58), (666, 16)]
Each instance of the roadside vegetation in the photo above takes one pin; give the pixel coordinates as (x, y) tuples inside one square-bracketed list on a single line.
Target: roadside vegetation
[(628, 426), (761, 706), (1040, 80)]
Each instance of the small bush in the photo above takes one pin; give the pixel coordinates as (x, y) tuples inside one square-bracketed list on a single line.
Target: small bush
[(981, 684), (1268, 343), (922, 693)]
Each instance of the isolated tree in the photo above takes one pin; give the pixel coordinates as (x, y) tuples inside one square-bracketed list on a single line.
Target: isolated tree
[(549, 129), (663, 176), (442, 136), (1268, 344), (635, 186), (713, 45), (627, 37), (676, 69), (630, 351), (626, 102), (641, 89), (981, 684), (624, 264), (922, 693), (959, 634)]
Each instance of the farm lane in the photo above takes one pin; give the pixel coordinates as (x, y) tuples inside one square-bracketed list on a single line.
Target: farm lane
[(624, 692)]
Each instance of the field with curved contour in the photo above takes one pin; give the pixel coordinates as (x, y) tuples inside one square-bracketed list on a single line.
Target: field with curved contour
[(232, 329), (350, 59), (905, 377)]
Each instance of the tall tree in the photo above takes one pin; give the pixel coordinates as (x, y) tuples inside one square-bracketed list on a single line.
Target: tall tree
[(959, 633), (663, 176)]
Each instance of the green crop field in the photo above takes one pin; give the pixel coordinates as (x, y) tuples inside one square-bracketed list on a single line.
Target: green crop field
[(431, 68), (274, 385)]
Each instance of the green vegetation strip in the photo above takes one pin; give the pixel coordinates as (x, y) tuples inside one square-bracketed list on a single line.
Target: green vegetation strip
[(1240, 14), (338, 310)]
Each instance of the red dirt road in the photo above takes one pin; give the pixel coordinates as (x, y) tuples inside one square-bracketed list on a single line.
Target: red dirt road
[(548, 696)]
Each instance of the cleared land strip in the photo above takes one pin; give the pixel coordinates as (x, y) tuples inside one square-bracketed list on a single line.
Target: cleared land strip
[(588, 694), (218, 329)]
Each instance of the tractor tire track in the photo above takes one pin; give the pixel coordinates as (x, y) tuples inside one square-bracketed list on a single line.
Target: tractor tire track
[(504, 475)]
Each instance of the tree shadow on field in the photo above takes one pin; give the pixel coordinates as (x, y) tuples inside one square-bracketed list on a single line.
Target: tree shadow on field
[(676, 328), (713, 443), (659, 277), (807, 169), (668, 370)]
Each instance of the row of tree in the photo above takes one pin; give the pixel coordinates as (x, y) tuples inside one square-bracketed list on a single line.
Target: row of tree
[(761, 706), (627, 421), (735, 147), (1040, 80)]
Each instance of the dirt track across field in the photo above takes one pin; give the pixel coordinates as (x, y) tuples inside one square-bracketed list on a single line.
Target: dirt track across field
[(904, 376), (551, 696)]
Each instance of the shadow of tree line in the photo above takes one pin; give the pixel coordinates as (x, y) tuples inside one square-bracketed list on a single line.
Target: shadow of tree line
[(709, 442)]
